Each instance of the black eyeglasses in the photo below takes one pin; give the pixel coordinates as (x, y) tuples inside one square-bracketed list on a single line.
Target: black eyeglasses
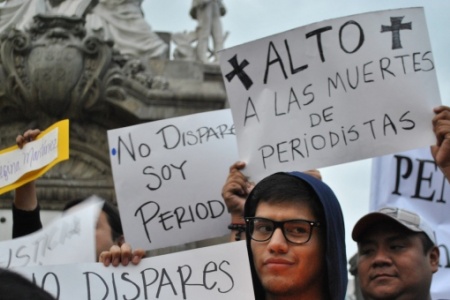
[(295, 231)]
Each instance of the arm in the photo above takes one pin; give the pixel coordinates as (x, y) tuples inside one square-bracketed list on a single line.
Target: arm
[(234, 193), (26, 211), (441, 128)]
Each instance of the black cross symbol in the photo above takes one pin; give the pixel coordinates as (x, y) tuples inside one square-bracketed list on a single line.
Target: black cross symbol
[(396, 26), (238, 69)]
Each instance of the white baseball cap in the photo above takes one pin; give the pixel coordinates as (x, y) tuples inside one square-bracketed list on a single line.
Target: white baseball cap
[(407, 219)]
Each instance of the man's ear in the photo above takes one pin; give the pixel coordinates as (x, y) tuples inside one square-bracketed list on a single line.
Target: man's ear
[(433, 256), (121, 239)]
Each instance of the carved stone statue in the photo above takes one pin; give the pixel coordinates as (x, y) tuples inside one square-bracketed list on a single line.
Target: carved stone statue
[(19, 13), (208, 13), (185, 48), (122, 21)]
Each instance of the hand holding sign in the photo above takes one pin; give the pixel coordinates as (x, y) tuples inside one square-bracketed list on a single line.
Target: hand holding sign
[(441, 151), (25, 195), (121, 254)]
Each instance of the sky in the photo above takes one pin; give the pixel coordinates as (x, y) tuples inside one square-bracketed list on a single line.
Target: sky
[(248, 20)]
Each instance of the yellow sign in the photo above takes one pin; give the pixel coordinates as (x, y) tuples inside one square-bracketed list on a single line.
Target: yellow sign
[(20, 166)]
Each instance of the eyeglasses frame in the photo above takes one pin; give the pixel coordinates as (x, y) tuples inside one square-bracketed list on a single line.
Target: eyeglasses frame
[(280, 224)]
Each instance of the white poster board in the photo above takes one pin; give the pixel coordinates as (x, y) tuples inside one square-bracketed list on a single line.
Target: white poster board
[(411, 180), (168, 177), (332, 92), (69, 239), (219, 272)]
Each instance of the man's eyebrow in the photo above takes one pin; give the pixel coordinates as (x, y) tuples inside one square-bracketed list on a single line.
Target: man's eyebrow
[(390, 238), (401, 236), (366, 241)]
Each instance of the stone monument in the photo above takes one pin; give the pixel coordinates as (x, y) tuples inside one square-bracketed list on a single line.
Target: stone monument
[(70, 62)]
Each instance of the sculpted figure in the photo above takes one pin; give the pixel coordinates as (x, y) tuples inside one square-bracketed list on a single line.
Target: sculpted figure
[(208, 13), (19, 13), (123, 22)]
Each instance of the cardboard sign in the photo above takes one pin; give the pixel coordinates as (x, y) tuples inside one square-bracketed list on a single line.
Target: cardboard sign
[(19, 166), (411, 180), (218, 272), (332, 92), (168, 177), (69, 239)]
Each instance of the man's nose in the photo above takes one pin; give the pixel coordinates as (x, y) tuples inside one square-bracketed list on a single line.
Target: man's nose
[(381, 257), (278, 242)]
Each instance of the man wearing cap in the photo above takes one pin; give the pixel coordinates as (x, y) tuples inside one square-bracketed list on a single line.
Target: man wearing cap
[(397, 255)]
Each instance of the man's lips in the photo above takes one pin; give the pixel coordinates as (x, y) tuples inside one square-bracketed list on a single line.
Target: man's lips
[(277, 261), (381, 276)]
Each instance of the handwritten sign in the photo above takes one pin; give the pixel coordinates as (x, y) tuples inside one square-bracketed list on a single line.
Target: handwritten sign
[(69, 239), (411, 180), (168, 177), (19, 166), (332, 92), (217, 272)]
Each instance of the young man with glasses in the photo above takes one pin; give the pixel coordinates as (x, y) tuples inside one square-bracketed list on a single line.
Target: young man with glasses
[(294, 232)]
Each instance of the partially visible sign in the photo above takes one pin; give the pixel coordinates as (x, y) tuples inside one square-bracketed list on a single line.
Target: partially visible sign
[(69, 239), (219, 272), (19, 166)]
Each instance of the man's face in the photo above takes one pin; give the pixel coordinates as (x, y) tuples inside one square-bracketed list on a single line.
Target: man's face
[(393, 265), (103, 234), (285, 268)]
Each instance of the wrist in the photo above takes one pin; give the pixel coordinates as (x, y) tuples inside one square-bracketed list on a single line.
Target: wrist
[(237, 229), (237, 220)]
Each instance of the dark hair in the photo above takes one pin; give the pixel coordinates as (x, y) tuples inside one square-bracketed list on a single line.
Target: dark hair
[(427, 243), (112, 214), (14, 286), (280, 188)]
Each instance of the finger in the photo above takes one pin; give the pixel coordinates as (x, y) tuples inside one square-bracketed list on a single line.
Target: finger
[(441, 130), (314, 173), (105, 258), (125, 254), (20, 140), (239, 165), (138, 254), (441, 115), (28, 136), (441, 108), (115, 255), (31, 134)]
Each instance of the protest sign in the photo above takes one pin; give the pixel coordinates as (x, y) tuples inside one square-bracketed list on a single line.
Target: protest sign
[(168, 176), (69, 239), (411, 180), (216, 272), (19, 166), (332, 92)]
